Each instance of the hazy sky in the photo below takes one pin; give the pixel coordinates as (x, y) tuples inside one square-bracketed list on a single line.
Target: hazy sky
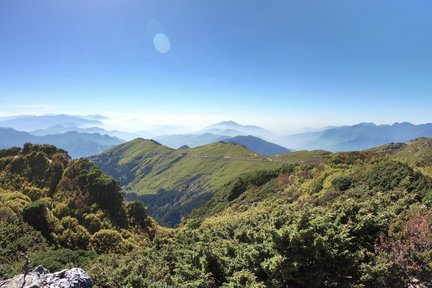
[(277, 63)]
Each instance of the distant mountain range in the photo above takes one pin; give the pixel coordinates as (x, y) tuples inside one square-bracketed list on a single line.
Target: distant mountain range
[(32, 122), (343, 138), (357, 137), (230, 132), (232, 129), (78, 144), (59, 129)]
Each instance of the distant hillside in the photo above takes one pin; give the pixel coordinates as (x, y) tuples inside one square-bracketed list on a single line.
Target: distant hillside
[(191, 140), (357, 137), (78, 144), (60, 129), (417, 152), (252, 143), (258, 145), (32, 122), (173, 182), (231, 128)]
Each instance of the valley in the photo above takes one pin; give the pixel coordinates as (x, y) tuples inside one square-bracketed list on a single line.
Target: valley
[(162, 177)]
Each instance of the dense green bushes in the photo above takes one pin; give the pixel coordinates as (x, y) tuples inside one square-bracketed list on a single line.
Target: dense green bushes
[(110, 241), (289, 239), (55, 260), (50, 202), (234, 189), (17, 236)]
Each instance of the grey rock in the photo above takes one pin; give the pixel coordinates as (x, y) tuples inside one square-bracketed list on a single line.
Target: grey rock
[(40, 269), (73, 278), (32, 280), (40, 278)]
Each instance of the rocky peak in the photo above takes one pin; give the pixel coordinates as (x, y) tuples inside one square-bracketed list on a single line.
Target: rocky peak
[(40, 278)]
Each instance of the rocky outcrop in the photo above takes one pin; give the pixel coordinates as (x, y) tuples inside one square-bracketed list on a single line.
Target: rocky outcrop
[(40, 278)]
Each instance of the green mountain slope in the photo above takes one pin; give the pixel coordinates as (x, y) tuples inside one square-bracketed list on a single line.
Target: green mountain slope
[(63, 212), (355, 219), (173, 182), (258, 145), (417, 152)]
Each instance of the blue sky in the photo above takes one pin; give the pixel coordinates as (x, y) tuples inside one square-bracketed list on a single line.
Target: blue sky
[(284, 64)]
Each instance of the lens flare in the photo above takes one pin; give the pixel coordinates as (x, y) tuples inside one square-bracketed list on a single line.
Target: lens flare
[(161, 43)]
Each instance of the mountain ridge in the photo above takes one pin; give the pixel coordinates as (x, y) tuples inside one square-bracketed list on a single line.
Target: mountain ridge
[(358, 137), (232, 128), (257, 145), (162, 176), (253, 143), (60, 129), (78, 144), (337, 138), (32, 122)]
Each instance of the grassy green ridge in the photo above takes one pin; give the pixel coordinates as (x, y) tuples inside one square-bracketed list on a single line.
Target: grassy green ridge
[(158, 167), (417, 152), (146, 168), (174, 182)]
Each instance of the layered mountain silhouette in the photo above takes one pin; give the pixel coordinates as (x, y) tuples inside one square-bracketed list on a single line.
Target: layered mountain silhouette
[(60, 129), (78, 144), (231, 128), (357, 137), (250, 136), (32, 122), (257, 139)]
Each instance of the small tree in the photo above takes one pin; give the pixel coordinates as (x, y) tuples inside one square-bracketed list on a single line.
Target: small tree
[(136, 213), (35, 214), (342, 183), (109, 241)]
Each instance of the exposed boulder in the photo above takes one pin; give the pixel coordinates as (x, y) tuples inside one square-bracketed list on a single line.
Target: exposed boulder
[(40, 278), (32, 280)]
